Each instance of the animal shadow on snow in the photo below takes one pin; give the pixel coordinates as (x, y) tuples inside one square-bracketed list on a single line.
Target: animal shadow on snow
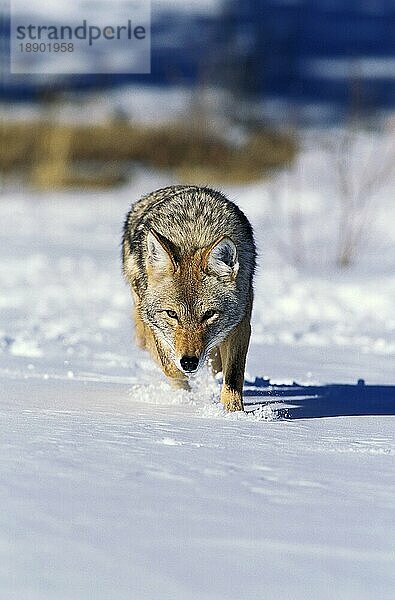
[(310, 401)]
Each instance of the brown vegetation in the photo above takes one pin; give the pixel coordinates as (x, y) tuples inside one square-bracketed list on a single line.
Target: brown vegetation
[(47, 153)]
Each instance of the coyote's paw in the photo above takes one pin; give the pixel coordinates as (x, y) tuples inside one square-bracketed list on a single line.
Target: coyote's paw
[(231, 399), (180, 384)]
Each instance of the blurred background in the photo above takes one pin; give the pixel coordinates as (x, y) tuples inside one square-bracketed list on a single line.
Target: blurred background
[(231, 87)]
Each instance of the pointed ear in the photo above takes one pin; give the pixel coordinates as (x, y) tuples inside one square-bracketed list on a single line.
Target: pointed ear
[(221, 259), (159, 255)]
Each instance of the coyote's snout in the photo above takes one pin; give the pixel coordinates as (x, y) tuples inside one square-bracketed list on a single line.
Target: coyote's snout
[(189, 257)]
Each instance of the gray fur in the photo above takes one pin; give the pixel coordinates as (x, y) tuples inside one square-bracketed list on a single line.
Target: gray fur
[(190, 217), (186, 219)]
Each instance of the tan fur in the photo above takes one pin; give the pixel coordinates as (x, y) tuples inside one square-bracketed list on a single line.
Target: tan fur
[(191, 282), (233, 351), (146, 340), (215, 361)]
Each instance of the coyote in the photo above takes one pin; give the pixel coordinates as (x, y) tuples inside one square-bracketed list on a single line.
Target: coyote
[(189, 258)]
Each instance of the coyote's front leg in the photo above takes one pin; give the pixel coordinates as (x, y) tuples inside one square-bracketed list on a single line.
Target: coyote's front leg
[(215, 361), (233, 354)]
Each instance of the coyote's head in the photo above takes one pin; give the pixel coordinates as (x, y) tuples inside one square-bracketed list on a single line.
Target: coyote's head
[(191, 302)]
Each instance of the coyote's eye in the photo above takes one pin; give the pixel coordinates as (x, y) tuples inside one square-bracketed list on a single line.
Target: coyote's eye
[(208, 315), (171, 313)]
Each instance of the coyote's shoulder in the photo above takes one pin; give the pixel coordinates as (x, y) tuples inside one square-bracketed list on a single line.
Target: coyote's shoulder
[(188, 253)]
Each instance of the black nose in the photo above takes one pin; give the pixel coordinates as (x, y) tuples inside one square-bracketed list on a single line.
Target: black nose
[(189, 363)]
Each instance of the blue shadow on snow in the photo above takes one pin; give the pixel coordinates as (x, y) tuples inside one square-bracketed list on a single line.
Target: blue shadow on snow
[(310, 401)]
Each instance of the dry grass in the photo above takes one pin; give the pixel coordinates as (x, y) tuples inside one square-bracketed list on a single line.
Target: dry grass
[(46, 152)]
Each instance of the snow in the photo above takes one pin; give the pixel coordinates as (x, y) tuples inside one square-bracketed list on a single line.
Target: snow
[(106, 496), (115, 486), (368, 67), (91, 9)]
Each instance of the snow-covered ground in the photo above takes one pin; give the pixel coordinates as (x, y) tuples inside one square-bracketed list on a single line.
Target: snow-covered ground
[(115, 487), (108, 493)]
